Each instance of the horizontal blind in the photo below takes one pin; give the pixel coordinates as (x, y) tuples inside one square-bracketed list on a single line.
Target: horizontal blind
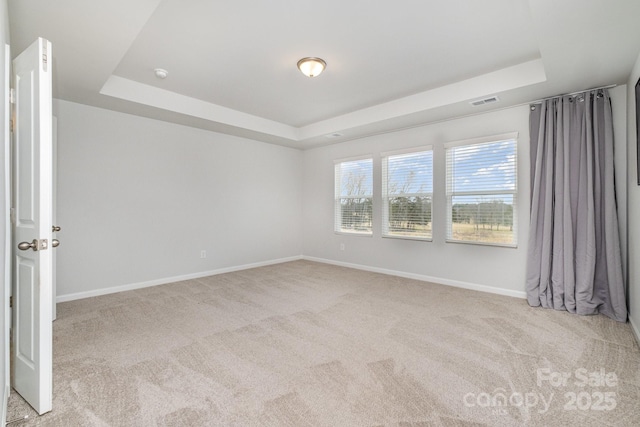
[(482, 192), (354, 196), (407, 189)]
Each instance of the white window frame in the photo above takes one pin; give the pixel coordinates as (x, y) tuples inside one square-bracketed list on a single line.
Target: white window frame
[(338, 197), (450, 194), (385, 196)]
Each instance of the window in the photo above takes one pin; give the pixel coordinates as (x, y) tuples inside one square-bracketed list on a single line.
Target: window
[(354, 196), (407, 189), (482, 191)]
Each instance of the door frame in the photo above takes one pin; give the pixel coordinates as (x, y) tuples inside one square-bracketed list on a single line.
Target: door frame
[(5, 203)]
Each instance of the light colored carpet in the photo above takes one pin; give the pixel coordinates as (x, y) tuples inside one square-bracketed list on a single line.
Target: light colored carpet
[(307, 344)]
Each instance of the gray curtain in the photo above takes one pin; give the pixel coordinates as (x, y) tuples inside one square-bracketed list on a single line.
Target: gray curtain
[(574, 260)]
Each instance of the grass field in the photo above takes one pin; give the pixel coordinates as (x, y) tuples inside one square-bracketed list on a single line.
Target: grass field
[(463, 231)]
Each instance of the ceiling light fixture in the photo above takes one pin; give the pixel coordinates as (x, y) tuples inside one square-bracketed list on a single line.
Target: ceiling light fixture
[(311, 66), (160, 73)]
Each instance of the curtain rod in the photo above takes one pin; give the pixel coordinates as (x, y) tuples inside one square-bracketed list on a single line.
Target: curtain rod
[(539, 101)]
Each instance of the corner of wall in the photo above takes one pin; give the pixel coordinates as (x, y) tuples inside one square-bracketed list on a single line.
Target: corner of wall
[(635, 329), (633, 205)]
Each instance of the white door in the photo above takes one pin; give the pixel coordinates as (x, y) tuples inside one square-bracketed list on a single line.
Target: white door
[(32, 269), (54, 219)]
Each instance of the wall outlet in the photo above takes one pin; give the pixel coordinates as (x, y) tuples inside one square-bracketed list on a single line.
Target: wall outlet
[(203, 254), (342, 246)]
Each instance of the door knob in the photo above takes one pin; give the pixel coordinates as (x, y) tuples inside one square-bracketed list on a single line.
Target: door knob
[(23, 246), (55, 228), (55, 242)]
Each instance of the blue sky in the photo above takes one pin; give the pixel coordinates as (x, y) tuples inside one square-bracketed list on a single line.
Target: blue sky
[(356, 168), (484, 167), (411, 173)]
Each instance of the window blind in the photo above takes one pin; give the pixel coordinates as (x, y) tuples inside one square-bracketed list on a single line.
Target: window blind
[(354, 196), (482, 192), (407, 190)]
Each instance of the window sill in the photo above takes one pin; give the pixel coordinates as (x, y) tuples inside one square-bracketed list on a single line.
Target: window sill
[(471, 242), (418, 239), (354, 233)]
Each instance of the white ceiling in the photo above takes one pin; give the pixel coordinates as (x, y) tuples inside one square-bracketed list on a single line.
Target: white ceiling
[(232, 65)]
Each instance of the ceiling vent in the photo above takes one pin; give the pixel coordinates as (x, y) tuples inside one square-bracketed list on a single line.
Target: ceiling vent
[(483, 101), (334, 135)]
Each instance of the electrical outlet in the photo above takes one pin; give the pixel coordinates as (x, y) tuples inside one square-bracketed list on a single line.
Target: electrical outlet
[(203, 254), (342, 246)]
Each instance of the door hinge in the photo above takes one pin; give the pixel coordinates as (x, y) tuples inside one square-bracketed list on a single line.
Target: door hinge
[(11, 301), (12, 215)]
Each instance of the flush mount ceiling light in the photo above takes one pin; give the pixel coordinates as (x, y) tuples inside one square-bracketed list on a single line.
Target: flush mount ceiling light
[(160, 73), (311, 67)]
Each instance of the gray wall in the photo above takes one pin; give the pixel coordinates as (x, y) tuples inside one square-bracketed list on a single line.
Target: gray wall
[(633, 200), (139, 199)]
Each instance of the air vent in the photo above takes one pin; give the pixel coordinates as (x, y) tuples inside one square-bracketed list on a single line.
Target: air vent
[(334, 135), (483, 101)]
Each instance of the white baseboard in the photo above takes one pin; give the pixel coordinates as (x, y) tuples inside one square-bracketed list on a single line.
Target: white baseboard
[(164, 281), (421, 277), (635, 329)]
